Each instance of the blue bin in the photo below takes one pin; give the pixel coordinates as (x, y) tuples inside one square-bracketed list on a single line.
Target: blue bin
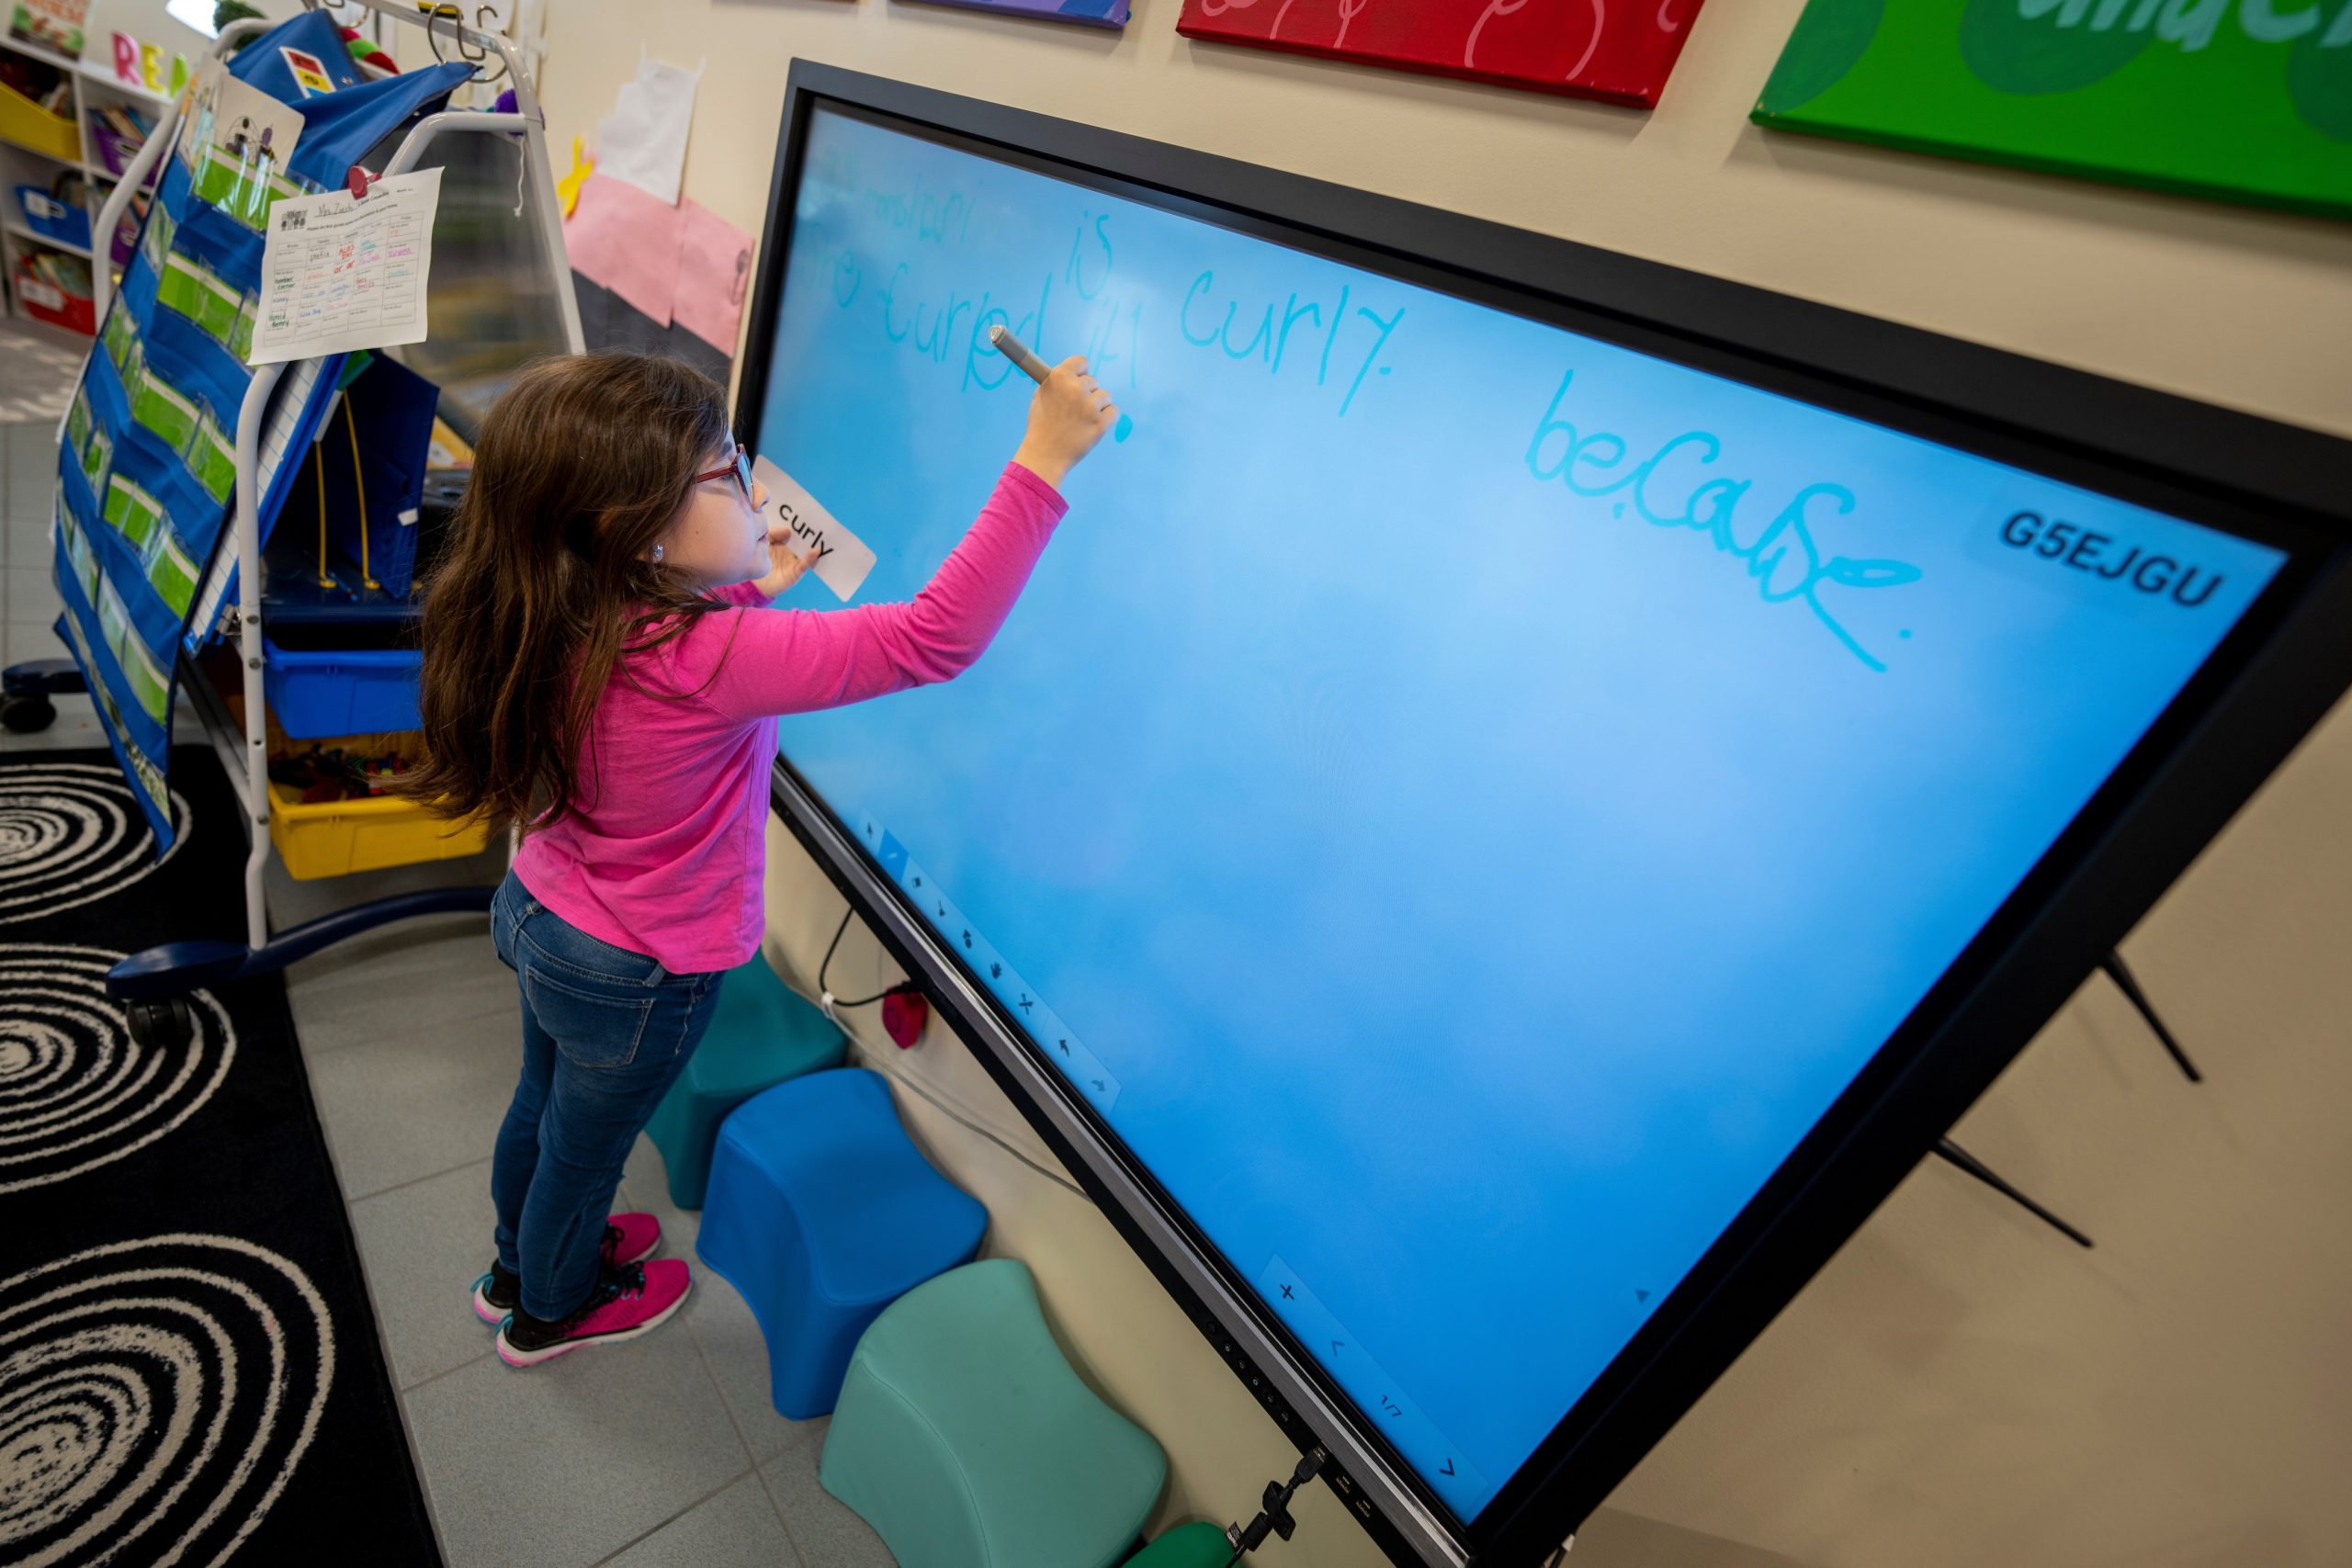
[(331, 692), (53, 218)]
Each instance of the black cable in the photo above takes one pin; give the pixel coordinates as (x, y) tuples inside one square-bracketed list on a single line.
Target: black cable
[(908, 1081), (1275, 1518), (904, 1081), (862, 1001)]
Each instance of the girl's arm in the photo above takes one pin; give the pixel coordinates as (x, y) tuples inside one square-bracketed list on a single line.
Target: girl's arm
[(779, 662), (747, 594)]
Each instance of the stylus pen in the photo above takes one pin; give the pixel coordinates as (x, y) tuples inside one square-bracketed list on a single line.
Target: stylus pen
[(1036, 369)]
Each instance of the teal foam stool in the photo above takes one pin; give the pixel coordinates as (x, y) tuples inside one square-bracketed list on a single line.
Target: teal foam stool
[(760, 1036), (965, 1438), (1197, 1545)]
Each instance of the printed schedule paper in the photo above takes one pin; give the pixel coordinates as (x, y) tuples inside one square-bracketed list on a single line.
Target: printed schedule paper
[(340, 274)]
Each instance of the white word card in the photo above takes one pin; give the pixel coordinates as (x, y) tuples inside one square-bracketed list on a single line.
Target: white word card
[(843, 558), (339, 274)]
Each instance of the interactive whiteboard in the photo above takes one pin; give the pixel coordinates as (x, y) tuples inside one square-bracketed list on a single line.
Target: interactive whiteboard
[(1460, 798)]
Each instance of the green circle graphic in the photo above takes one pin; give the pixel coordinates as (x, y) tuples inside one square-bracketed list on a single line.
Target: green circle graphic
[(2320, 83), (1830, 39), (2012, 53)]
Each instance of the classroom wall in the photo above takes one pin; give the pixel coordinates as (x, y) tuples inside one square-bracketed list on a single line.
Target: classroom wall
[(1960, 1386), (147, 21)]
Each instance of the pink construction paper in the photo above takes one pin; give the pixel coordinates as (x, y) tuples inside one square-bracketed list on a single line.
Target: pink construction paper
[(713, 266), (625, 240)]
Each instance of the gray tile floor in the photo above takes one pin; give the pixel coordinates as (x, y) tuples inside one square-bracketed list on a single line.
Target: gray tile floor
[(661, 1451), (43, 364), (28, 608)]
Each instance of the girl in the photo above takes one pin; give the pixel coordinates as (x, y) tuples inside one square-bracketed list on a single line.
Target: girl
[(602, 670)]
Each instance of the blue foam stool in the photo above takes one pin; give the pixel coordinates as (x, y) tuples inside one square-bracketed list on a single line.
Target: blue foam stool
[(822, 1214), (964, 1438), (762, 1035)]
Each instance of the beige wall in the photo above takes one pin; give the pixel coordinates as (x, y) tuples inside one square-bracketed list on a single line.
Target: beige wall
[(2231, 305), (1960, 1386)]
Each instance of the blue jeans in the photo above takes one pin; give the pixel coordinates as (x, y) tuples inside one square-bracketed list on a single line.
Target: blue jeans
[(605, 1033)]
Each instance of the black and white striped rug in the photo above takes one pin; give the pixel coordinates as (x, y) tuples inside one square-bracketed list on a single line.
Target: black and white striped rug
[(70, 835), (189, 1372)]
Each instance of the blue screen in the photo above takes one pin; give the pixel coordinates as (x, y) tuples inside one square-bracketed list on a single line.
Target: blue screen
[(1460, 798)]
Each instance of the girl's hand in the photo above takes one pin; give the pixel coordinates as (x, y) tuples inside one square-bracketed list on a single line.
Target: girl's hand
[(785, 564), (1068, 416)]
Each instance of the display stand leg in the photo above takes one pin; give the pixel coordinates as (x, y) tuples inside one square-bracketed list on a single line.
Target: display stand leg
[(26, 690), (2126, 982), (249, 585), (1960, 1159)]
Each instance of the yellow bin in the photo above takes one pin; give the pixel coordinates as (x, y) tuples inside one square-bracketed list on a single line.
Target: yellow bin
[(27, 124), (335, 837)]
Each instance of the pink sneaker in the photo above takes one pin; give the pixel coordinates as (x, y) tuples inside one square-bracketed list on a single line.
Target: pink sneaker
[(625, 1302), (628, 1238)]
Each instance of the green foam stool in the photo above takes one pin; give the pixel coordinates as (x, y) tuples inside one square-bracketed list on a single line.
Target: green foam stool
[(760, 1036), (965, 1438), (1197, 1545)]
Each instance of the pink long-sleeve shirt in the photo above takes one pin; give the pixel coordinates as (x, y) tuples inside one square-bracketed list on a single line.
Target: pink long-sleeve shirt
[(664, 852)]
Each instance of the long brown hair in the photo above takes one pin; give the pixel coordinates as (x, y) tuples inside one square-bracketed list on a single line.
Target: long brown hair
[(581, 464)]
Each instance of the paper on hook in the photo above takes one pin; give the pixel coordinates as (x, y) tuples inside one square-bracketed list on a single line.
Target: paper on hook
[(339, 274), (643, 141)]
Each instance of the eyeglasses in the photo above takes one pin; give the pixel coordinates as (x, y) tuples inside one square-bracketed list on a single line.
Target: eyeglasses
[(740, 470)]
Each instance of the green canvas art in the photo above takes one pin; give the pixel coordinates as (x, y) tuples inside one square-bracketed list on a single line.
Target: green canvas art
[(2246, 100)]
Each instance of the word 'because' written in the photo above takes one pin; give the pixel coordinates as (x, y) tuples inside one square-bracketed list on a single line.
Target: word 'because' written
[(1783, 558)]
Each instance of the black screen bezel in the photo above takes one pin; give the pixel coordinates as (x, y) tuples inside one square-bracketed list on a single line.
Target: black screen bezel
[(2265, 686)]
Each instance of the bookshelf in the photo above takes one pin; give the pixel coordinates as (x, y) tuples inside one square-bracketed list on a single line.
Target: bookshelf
[(35, 153)]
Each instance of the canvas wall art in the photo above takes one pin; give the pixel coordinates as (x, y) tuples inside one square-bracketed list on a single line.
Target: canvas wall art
[(1619, 51), (2243, 100), (1088, 13)]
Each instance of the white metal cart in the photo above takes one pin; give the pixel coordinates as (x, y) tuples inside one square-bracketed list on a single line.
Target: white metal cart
[(505, 154)]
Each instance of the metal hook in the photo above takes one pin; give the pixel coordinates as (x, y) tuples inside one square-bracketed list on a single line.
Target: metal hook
[(484, 14), (469, 51), (441, 13)]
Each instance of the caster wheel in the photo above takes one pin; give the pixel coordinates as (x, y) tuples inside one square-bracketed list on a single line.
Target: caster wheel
[(25, 716), (161, 1026)]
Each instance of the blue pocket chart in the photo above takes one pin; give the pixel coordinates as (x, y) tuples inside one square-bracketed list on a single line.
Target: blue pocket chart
[(1459, 798)]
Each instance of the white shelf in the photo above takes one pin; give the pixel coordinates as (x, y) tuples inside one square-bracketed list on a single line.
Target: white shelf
[(84, 68), (31, 236), (95, 171), (114, 84), (37, 51), (43, 152)]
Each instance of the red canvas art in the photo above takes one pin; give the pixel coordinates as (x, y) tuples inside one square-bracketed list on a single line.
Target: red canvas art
[(1620, 51)]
